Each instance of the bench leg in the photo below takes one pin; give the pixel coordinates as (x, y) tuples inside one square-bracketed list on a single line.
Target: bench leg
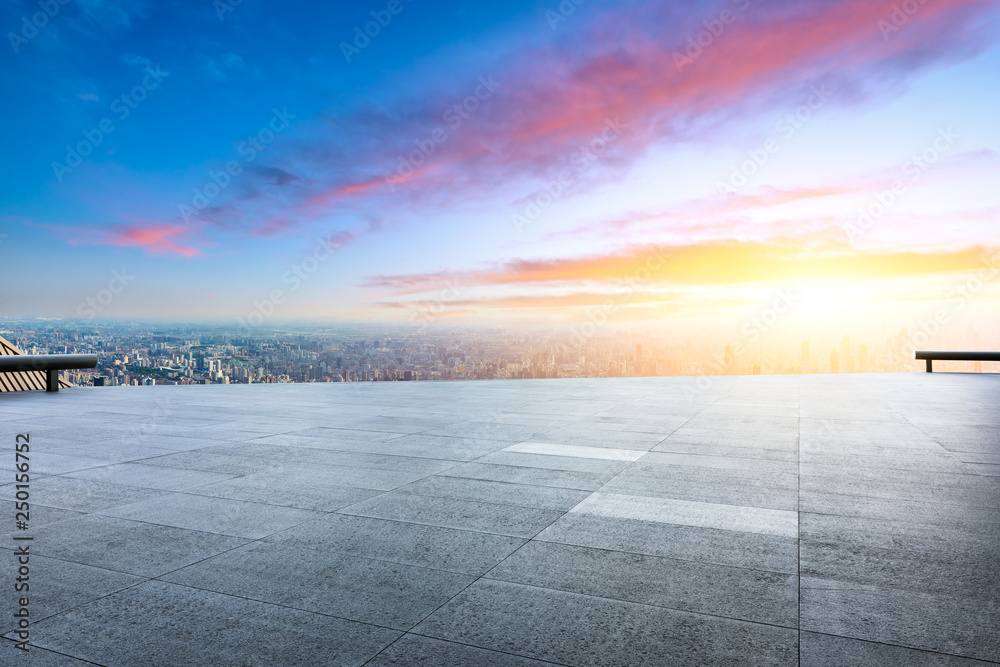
[(51, 380), (930, 366)]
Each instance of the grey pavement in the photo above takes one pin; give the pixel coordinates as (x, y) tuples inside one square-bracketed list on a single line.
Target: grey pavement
[(779, 520)]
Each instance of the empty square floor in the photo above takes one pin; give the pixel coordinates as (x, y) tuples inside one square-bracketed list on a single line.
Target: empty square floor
[(792, 520)]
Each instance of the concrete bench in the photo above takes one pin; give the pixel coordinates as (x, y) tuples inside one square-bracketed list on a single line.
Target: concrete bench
[(50, 363), (929, 357)]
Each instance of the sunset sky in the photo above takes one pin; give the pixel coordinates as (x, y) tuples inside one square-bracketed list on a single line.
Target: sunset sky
[(518, 161)]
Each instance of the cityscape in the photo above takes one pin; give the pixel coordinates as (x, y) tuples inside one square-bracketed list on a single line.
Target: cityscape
[(143, 353)]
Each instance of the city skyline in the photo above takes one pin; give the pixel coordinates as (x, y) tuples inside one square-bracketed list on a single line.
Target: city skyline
[(142, 353), (535, 164)]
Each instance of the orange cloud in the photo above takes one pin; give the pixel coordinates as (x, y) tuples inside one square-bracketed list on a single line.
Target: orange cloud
[(709, 264)]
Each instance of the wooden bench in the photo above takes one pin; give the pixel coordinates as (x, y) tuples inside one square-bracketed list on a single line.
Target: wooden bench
[(50, 364), (929, 357)]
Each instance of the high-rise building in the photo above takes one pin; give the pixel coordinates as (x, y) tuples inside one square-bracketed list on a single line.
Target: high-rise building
[(730, 360), (834, 362), (805, 355), (863, 358)]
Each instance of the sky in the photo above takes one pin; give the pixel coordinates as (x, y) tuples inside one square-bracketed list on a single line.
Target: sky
[(517, 162)]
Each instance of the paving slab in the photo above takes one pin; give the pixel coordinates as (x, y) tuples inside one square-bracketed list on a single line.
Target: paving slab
[(499, 519), (408, 543), (132, 547), (372, 591), (750, 595), (196, 627), (573, 629), (213, 515)]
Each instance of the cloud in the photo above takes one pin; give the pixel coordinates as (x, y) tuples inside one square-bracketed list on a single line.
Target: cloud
[(118, 13), (539, 103), (154, 238), (136, 61), (221, 67), (570, 300), (554, 99), (713, 263), (693, 214)]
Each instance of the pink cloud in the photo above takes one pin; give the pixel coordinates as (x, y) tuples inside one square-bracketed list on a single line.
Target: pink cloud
[(554, 99), (154, 238), (620, 66)]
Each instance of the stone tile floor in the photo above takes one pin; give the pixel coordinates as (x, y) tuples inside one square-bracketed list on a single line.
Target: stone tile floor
[(798, 520)]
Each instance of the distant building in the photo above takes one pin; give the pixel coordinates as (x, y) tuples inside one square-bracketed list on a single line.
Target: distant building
[(834, 362), (730, 360)]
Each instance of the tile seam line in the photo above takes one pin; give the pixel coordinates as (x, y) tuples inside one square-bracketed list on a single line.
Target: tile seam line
[(250, 541), (704, 614), (903, 646), (54, 652), (452, 641), (670, 558), (327, 552), (798, 526), (700, 614), (259, 601)]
